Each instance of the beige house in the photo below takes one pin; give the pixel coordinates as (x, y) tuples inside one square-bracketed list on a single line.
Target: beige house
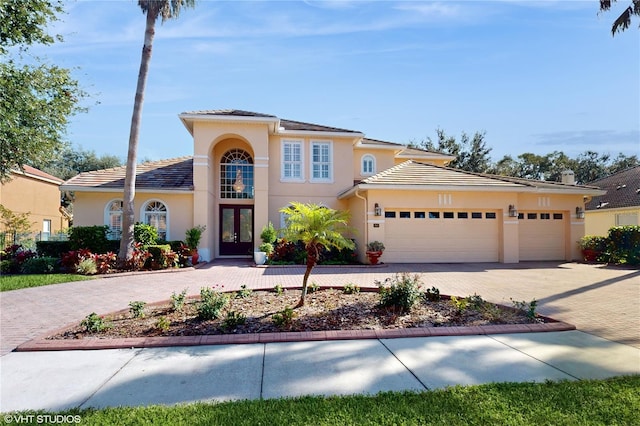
[(38, 193), (247, 166), (619, 206)]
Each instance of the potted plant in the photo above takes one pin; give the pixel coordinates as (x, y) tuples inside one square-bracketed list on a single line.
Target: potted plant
[(268, 236), (374, 251), (192, 240), (592, 247)]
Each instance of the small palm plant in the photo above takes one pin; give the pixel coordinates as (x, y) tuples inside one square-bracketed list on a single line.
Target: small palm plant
[(317, 227)]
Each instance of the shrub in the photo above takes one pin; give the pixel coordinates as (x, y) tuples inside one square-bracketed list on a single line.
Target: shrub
[(284, 317), (137, 308), (351, 288), (87, 267), (40, 265), (161, 257), (211, 303), (144, 234), (268, 234), (105, 262), (71, 259), (233, 320), (244, 292), (93, 323), (193, 236), (624, 245), (475, 302), (528, 308), (313, 287), (93, 238), (52, 248), (400, 292), (460, 304), (7, 266), (163, 324), (267, 248), (15, 255), (593, 242), (278, 289), (177, 300), (138, 258), (432, 294)]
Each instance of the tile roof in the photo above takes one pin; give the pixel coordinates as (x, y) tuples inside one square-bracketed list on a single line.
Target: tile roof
[(623, 190), (172, 174), (230, 112), (38, 174), (298, 125)]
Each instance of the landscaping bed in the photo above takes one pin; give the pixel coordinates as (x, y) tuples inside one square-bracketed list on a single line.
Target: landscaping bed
[(248, 311)]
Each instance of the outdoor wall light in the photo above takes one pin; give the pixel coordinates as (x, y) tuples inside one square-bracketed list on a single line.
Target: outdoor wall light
[(377, 211), (513, 212), (579, 212)]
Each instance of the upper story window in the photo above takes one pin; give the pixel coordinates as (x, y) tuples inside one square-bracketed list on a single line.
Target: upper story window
[(368, 165), (236, 174), (155, 214), (113, 219), (292, 160), (321, 161)]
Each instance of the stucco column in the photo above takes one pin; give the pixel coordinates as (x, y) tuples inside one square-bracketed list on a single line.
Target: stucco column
[(576, 231), (202, 204), (261, 196)]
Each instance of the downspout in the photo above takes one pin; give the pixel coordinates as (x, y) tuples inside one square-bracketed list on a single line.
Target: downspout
[(366, 220)]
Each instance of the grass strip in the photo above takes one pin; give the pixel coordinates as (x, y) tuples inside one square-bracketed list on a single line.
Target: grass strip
[(16, 282), (613, 401)]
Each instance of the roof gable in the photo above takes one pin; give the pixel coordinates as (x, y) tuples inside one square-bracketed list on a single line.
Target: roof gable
[(172, 174), (623, 190), (38, 174)]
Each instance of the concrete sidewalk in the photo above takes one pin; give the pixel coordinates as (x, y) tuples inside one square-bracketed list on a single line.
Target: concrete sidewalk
[(133, 377)]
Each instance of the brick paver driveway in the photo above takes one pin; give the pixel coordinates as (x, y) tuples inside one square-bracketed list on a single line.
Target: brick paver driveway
[(601, 300)]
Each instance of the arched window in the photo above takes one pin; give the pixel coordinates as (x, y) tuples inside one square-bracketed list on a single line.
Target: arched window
[(368, 165), (155, 214), (236, 174), (113, 219)]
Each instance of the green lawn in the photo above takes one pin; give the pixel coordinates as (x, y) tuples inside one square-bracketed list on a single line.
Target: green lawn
[(595, 402), (16, 282)]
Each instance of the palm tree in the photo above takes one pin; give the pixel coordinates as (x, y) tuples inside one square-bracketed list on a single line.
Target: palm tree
[(317, 227), (167, 9)]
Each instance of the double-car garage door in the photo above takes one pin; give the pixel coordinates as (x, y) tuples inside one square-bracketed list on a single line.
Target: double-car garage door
[(441, 236), (457, 236)]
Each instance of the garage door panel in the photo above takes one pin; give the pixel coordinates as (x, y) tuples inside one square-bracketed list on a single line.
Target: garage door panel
[(439, 240), (541, 239)]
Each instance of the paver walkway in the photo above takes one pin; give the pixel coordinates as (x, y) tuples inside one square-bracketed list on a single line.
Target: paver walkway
[(604, 301)]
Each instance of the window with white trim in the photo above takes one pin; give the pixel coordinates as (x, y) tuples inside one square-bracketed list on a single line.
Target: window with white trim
[(113, 219), (155, 214), (321, 162), (623, 219), (368, 166), (292, 160)]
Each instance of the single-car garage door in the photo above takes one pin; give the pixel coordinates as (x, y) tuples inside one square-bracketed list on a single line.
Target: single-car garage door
[(441, 236), (541, 235)]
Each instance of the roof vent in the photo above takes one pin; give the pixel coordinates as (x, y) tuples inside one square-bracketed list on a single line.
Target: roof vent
[(568, 177)]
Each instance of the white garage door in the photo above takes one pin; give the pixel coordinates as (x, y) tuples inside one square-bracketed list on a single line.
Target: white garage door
[(441, 236), (541, 235)]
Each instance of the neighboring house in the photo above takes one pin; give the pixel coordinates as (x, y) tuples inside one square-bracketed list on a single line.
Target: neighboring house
[(38, 193), (619, 206), (247, 166)]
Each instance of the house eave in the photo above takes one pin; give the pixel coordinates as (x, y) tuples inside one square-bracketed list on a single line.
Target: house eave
[(470, 188), (76, 188), (319, 133), (189, 119)]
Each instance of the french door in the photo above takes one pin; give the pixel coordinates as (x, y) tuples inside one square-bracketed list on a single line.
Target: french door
[(236, 230)]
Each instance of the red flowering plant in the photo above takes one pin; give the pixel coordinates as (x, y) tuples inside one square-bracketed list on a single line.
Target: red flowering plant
[(13, 257), (105, 262), (71, 259), (138, 258)]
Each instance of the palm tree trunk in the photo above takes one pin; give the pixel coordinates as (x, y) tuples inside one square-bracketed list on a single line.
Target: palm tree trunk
[(313, 255), (126, 243)]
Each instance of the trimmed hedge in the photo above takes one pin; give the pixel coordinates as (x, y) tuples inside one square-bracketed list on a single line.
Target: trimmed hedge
[(624, 245), (93, 238), (40, 265), (52, 248)]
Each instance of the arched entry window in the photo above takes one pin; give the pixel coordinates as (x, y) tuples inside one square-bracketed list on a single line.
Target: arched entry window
[(236, 174), (113, 219), (155, 214)]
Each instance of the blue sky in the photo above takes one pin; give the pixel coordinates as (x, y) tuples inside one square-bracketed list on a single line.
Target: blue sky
[(537, 76)]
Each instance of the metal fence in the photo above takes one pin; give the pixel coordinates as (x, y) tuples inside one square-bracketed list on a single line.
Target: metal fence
[(29, 240)]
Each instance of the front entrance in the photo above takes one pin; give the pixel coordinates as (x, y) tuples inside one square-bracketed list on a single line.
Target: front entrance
[(236, 230)]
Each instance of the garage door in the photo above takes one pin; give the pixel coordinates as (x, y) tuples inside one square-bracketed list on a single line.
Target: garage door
[(541, 235), (441, 236)]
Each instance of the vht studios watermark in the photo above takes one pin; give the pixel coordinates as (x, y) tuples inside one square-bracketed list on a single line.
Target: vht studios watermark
[(42, 418)]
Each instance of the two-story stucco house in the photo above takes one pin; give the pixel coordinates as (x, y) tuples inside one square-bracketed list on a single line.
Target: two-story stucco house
[(247, 166), (37, 193)]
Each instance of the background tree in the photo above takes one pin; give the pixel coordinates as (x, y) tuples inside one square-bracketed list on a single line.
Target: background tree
[(317, 227), (624, 20), (13, 225), (153, 9), (36, 99), (72, 162), (471, 155)]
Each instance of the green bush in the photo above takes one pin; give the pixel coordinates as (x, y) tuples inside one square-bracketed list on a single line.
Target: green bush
[(93, 323), (40, 265), (137, 308), (624, 245), (144, 234), (161, 257), (268, 234), (211, 303), (593, 242), (284, 318), (8, 266), (87, 267), (52, 248), (402, 291), (93, 238)]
